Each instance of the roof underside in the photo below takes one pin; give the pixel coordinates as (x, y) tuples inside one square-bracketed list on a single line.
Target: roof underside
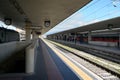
[(37, 11), (115, 22)]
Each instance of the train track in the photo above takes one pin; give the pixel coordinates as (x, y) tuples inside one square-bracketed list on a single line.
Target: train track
[(103, 54), (103, 69), (108, 55), (101, 72)]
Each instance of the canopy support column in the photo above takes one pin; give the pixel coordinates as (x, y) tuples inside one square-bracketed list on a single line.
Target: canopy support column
[(28, 31)]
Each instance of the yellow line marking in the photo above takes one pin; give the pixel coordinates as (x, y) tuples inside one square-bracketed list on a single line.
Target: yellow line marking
[(80, 72)]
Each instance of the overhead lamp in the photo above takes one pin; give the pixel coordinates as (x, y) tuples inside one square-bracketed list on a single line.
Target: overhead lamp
[(8, 21), (110, 26), (47, 23)]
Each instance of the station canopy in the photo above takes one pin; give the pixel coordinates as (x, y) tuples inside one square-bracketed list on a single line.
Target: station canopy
[(110, 25), (39, 11)]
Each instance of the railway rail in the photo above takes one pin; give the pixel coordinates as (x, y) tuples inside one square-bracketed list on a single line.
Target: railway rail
[(103, 68), (101, 72), (103, 52)]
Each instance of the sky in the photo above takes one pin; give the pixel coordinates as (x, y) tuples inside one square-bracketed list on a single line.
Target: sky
[(95, 11)]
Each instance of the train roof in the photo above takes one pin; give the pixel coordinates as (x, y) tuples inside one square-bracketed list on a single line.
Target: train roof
[(1, 28)]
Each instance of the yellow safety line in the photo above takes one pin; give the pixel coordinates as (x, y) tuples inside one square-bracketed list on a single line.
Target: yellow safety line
[(80, 72)]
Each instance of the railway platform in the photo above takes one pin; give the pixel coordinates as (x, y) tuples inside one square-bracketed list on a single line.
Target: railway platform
[(26, 56), (48, 66), (51, 64)]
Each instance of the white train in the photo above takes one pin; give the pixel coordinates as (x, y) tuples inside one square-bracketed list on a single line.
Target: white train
[(7, 35)]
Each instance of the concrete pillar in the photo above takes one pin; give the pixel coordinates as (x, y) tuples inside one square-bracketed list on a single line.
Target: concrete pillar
[(35, 36), (66, 37), (74, 37), (28, 31), (58, 37), (89, 36), (119, 41), (30, 59)]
